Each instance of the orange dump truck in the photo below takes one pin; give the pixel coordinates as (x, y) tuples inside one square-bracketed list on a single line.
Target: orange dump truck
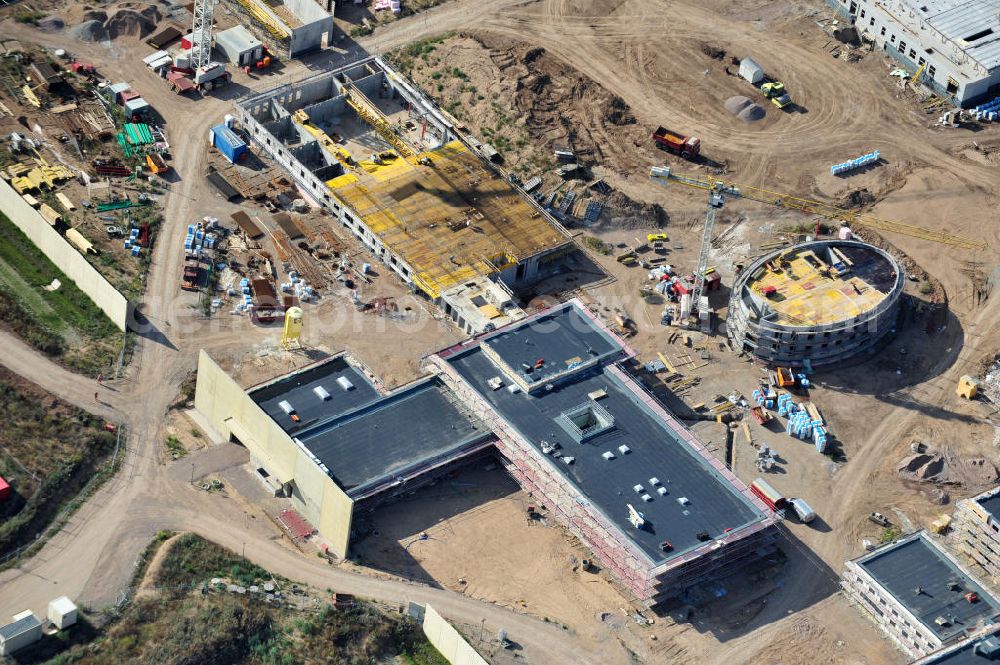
[(685, 146)]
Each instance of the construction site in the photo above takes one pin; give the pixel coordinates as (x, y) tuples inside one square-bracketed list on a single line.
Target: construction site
[(623, 332)]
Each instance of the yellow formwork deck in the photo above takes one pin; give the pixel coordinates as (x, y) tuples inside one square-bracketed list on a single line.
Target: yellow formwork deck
[(807, 295), (451, 220)]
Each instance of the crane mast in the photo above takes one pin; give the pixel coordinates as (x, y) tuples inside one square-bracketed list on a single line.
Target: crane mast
[(201, 33)]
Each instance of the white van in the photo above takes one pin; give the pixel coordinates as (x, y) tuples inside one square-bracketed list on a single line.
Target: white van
[(802, 509)]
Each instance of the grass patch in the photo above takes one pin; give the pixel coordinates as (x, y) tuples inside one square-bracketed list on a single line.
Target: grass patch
[(597, 245), (889, 534), (63, 323), (175, 447), (27, 15), (184, 621), (50, 452)]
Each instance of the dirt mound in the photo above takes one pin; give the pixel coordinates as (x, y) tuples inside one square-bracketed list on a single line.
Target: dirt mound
[(934, 468), (617, 112), (89, 31), (51, 24), (623, 212), (737, 103), (752, 113), (859, 198), (95, 15), (713, 52), (130, 23)]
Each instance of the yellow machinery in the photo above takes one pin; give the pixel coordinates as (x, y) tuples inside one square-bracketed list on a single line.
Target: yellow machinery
[(918, 74), (264, 19), (341, 154), (664, 174), (367, 112), (293, 328), (968, 387)]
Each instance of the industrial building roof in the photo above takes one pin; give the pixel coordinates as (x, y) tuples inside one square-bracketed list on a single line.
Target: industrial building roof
[(990, 501), (236, 40), (978, 650), (974, 26), (931, 586), (411, 427), (814, 286), (601, 418), (298, 390), (361, 436)]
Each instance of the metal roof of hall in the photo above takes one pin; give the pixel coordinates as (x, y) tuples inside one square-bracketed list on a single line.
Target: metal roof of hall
[(958, 20), (657, 448), (919, 575)]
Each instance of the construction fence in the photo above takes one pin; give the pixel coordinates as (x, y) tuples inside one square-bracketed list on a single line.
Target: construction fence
[(64, 256), (448, 641)]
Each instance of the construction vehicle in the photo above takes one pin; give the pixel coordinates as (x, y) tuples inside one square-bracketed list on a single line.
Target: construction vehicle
[(775, 91), (192, 270), (656, 237), (686, 146), (206, 72), (760, 414), (664, 175), (879, 519), (156, 164)]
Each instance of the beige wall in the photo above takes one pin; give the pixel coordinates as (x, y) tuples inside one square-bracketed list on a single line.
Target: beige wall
[(232, 412), (64, 255), (449, 641)]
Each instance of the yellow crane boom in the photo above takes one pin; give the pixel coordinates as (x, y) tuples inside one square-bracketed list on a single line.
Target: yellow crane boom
[(370, 114), (664, 175)]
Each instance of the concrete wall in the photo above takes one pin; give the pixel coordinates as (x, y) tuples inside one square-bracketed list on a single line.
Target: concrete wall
[(314, 494), (64, 256), (309, 37), (448, 641)]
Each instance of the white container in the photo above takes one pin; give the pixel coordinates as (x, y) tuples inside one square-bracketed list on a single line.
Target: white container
[(803, 511), (62, 612), (751, 71)]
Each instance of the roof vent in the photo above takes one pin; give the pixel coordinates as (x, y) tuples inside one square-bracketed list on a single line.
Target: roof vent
[(684, 501), (608, 455), (646, 498), (624, 450), (496, 383), (321, 393), (286, 406), (637, 489), (345, 383), (941, 621), (661, 491), (654, 481)]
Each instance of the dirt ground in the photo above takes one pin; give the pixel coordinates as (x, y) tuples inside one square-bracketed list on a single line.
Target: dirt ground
[(652, 56)]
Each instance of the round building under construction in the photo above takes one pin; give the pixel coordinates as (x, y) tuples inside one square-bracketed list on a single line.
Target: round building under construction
[(815, 303)]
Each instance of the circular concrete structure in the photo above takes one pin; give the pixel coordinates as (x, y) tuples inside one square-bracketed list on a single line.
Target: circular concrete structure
[(820, 302)]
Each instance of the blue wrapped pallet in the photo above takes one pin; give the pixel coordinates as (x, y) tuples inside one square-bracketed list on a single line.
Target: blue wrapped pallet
[(228, 143)]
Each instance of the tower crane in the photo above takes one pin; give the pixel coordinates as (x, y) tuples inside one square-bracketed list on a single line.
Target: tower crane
[(201, 44)]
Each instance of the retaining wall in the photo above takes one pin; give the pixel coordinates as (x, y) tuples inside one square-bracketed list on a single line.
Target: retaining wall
[(64, 256), (448, 641)]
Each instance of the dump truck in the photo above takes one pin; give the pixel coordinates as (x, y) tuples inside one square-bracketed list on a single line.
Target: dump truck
[(775, 91), (192, 270), (685, 146), (156, 164)]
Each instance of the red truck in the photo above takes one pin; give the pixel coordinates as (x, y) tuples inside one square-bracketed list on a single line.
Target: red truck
[(192, 271), (685, 146)]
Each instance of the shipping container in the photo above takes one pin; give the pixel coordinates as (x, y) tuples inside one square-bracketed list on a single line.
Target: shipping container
[(228, 143), (763, 491), (802, 509)]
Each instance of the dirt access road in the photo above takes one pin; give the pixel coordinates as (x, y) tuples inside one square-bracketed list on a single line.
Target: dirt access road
[(92, 558)]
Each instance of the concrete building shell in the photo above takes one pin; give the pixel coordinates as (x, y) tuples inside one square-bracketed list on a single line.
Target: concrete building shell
[(753, 324), (289, 28), (977, 531), (517, 247)]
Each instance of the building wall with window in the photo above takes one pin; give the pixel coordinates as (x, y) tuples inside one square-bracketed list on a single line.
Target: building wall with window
[(903, 33), (976, 533)]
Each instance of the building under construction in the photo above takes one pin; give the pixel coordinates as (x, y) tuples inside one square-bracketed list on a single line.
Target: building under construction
[(818, 302), (977, 530), (550, 395), (919, 595), (391, 168), (290, 28)]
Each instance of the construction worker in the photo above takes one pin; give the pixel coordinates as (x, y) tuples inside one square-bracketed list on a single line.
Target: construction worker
[(96, 398), (100, 378)]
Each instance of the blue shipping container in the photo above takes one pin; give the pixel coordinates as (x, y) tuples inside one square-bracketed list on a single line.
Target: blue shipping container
[(228, 143)]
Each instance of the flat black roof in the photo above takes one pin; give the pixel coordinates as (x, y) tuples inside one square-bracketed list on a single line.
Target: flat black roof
[(657, 450), (915, 563), (413, 426), (562, 337), (970, 652), (297, 390), (991, 504)]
